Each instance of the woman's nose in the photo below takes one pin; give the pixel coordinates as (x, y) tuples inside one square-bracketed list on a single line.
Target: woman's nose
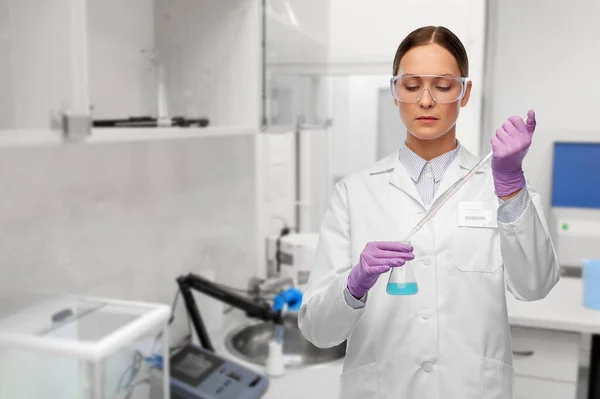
[(426, 100)]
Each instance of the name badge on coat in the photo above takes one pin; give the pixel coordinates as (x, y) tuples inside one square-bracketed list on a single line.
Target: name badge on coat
[(477, 214)]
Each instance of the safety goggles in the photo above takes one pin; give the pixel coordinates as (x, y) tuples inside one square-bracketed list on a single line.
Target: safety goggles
[(408, 88)]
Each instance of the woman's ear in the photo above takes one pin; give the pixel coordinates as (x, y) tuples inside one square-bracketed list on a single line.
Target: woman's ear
[(465, 100)]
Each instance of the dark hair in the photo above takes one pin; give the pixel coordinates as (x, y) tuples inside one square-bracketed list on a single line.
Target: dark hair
[(438, 35)]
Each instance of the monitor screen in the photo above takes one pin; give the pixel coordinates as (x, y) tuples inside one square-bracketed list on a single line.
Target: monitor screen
[(576, 175), (193, 365)]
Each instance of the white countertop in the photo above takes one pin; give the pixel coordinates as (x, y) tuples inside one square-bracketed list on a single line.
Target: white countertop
[(562, 309)]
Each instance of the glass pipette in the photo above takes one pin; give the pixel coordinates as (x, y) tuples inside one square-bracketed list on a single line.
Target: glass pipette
[(397, 281), (448, 194)]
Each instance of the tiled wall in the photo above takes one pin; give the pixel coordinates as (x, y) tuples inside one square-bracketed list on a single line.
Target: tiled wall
[(123, 220)]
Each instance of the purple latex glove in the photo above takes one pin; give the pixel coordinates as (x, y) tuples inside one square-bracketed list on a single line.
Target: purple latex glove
[(509, 147), (377, 258)]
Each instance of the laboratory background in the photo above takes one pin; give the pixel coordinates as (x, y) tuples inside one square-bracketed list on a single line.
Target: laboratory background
[(165, 166)]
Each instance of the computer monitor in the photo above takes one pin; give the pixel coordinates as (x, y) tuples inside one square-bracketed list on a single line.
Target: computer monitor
[(575, 213), (576, 175)]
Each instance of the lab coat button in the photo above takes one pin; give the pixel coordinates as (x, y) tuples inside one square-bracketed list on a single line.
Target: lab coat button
[(426, 261), (427, 367), (426, 314)]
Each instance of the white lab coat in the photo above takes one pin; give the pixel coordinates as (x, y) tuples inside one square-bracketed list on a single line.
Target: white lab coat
[(452, 339)]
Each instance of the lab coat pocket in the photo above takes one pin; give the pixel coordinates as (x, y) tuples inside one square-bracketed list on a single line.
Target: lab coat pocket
[(360, 383), (476, 249), (497, 379)]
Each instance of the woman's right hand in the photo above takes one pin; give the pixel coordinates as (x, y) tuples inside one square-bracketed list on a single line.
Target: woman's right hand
[(377, 258)]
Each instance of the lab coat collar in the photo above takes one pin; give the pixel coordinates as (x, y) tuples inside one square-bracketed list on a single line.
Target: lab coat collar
[(414, 164), (466, 161), (400, 178), (386, 164)]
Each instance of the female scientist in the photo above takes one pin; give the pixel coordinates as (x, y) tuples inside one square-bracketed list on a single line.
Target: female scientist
[(450, 340)]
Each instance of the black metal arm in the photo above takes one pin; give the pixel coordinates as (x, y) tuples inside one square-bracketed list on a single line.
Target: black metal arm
[(252, 309)]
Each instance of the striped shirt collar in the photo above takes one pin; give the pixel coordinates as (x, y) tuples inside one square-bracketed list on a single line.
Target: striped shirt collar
[(414, 164)]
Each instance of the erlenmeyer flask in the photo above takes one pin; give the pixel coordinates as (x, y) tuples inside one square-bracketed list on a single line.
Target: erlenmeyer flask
[(402, 279)]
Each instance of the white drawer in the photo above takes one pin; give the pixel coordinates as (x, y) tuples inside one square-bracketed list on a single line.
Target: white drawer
[(545, 353), (533, 388)]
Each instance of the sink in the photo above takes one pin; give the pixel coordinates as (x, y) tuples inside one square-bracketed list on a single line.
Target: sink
[(251, 343)]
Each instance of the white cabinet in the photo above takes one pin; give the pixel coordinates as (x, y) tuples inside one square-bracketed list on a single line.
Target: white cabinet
[(236, 63), (40, 62), (193, 59), (121, 58), (546, 363)]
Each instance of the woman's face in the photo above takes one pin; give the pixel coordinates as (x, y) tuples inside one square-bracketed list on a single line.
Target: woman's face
[(427, 119)]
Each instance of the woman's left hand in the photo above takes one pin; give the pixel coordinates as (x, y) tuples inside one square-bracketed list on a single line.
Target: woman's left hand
[(509, 147)]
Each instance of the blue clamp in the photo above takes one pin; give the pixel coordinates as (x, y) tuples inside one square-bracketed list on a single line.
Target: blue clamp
[(291, 297), (155, 361)]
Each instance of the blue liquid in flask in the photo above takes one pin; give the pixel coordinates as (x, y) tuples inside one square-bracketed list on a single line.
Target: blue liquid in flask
[(402, 288)]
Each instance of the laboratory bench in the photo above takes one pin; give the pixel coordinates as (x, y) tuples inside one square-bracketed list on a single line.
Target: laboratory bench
[(549, 344)]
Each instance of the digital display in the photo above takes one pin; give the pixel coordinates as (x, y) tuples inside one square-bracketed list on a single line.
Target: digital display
[(193, 365)]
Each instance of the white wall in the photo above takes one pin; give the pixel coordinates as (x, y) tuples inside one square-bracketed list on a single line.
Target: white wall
[(124, 220), (354, 127), (6, 101), (315, 181), (364, 37), (545, 60)]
